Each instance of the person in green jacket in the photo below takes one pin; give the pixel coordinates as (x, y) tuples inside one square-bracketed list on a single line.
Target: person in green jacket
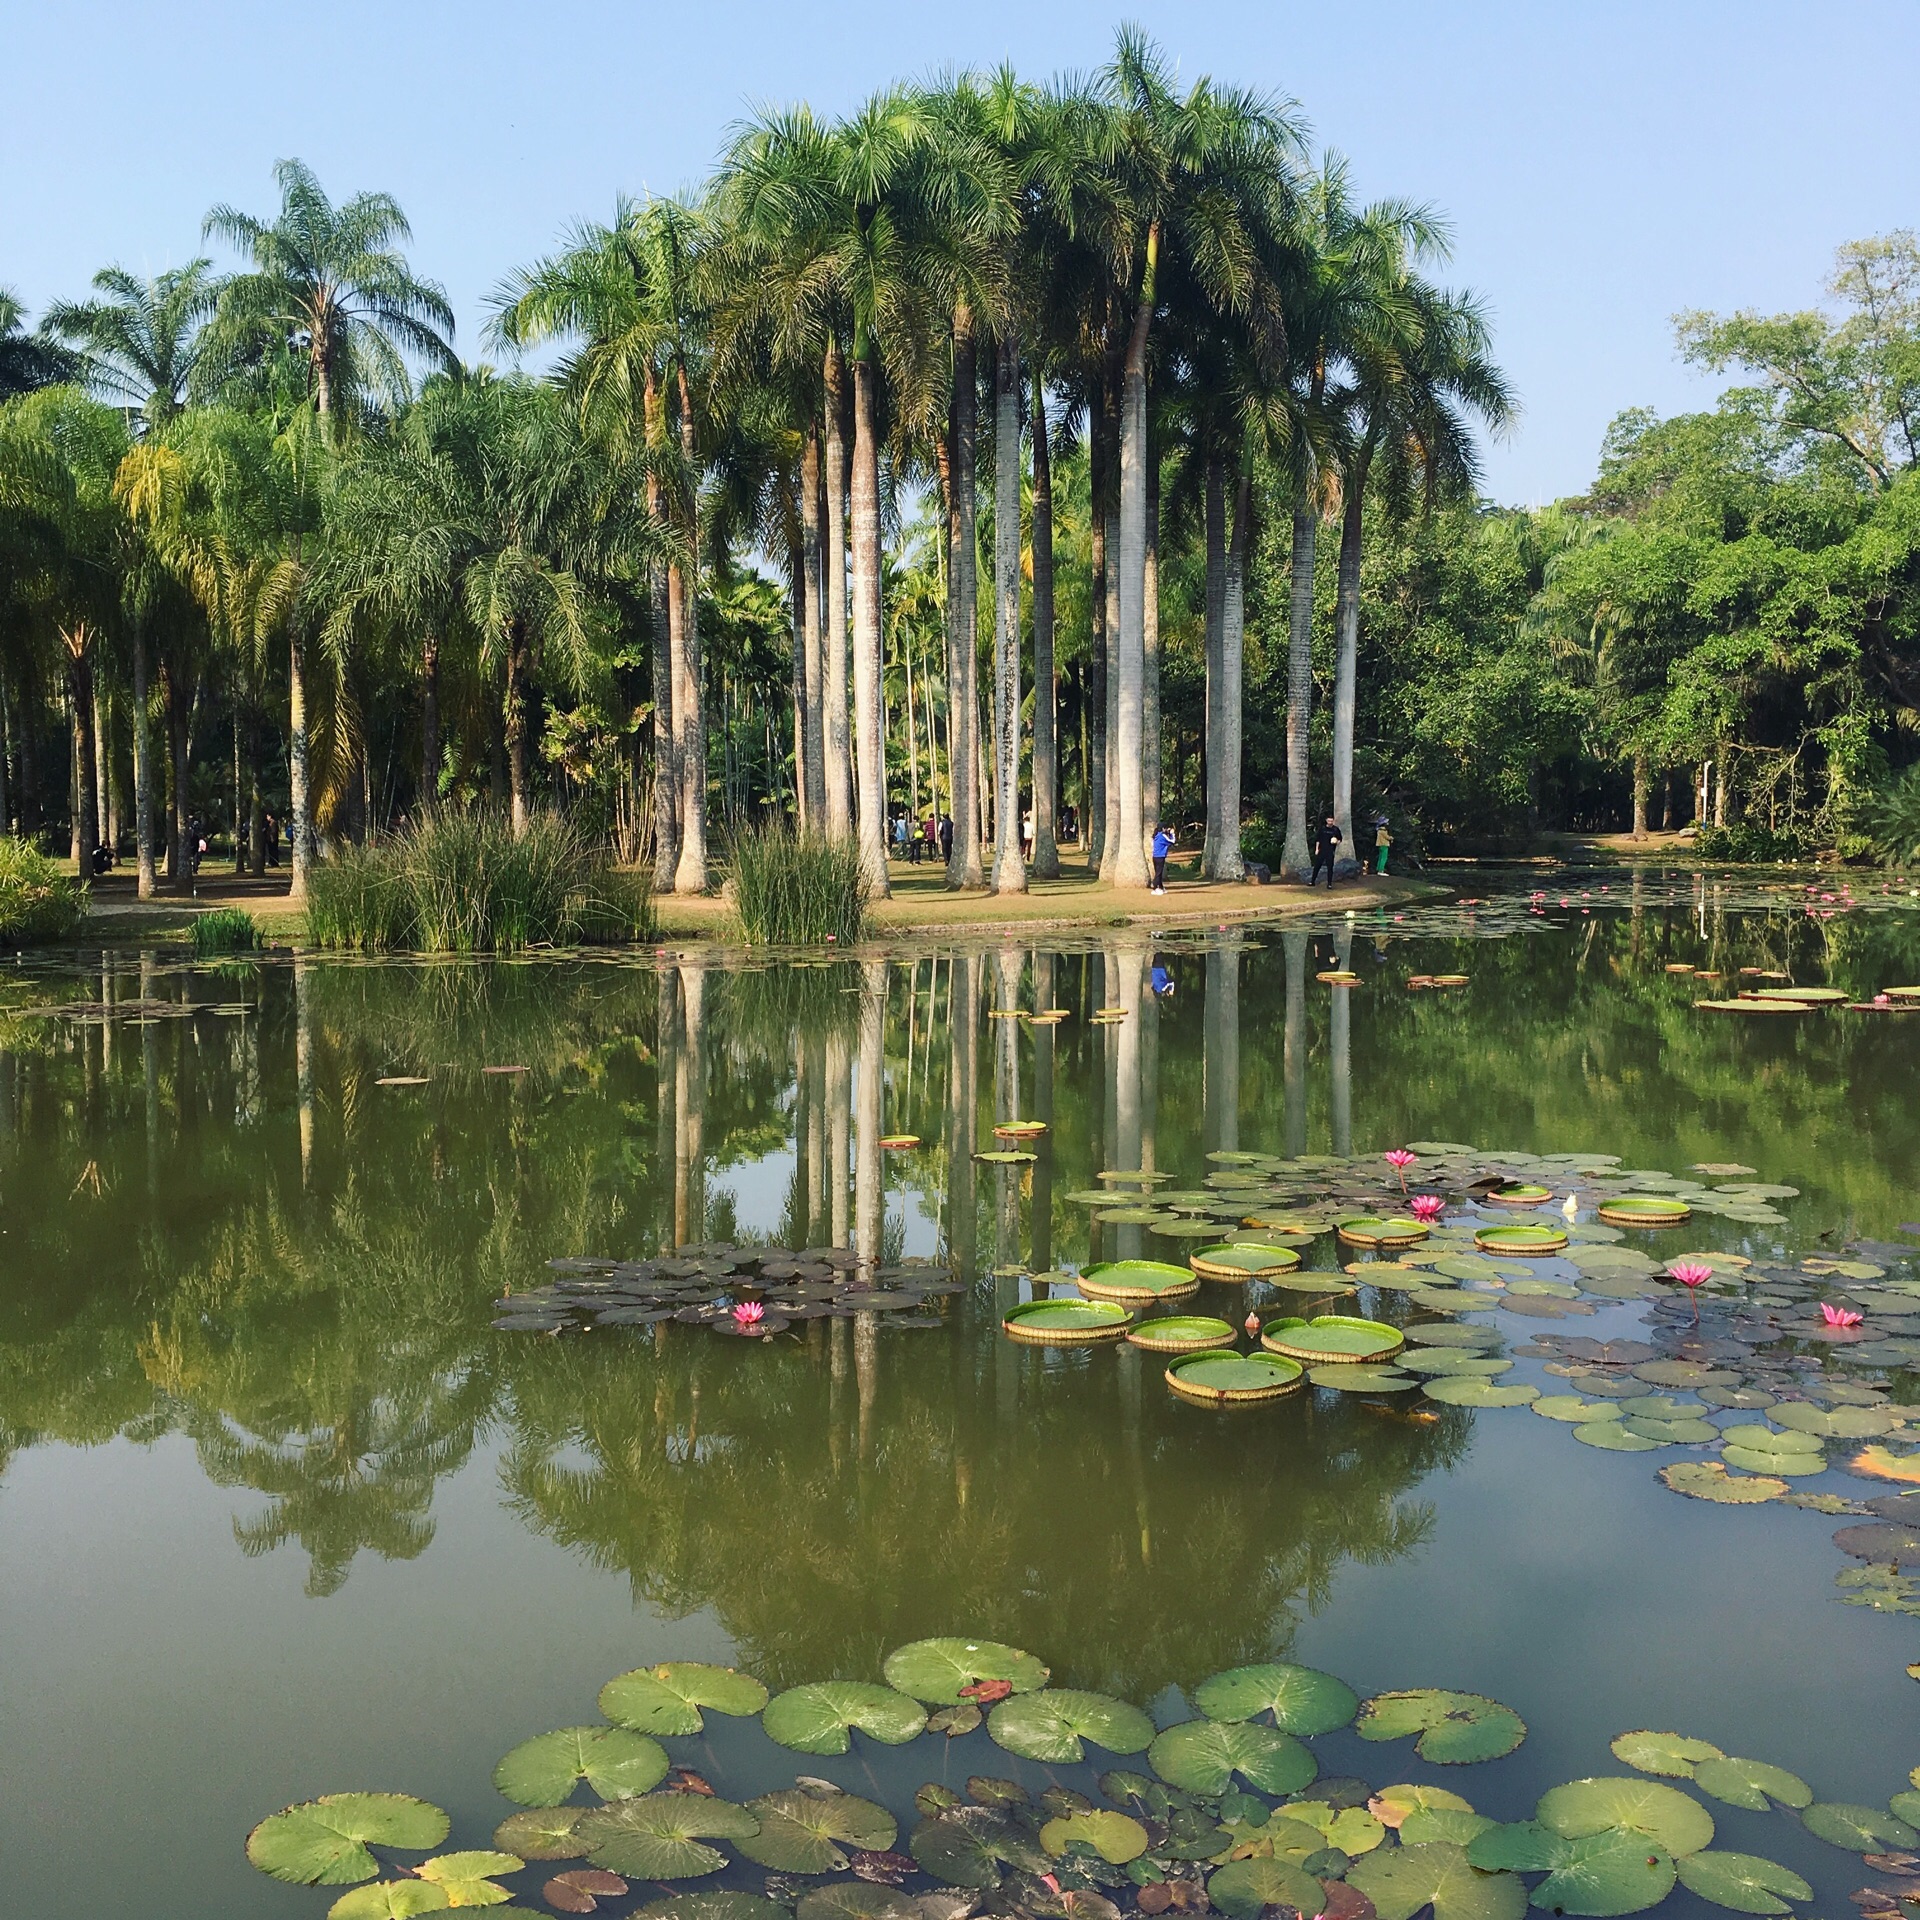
[(1382, 843)]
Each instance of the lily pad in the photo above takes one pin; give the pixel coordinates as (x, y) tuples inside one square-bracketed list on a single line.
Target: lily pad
[(1115, 1837), (1051, 1725), (803, 1832), (855, 1900), (661, 1836), (712, 1906), (1522, 1846), (1393, 1805), (939, 1671), (1443, 1823), (1859, 1829), (1400, 1881), (542, 1833), (324, 1842), (1613, 1871), (1669, 1818), (614, 1761), (1453, 1728), (1203, 1756), (1835, 1423), (1615, 1436), (1742, 1881), (1131, 1281), (1335, 1338), (1302, 1700), (1574, 1411), (1479, 1393), (1673, 1754), (1347, 1379), (1242, 1888), (390, 1900), (467, 1878), (969, 1847), (1218, 1376), (818, 1718), (1709, 1480), (1751, 1783), (668, 1698), (1238, 1260)]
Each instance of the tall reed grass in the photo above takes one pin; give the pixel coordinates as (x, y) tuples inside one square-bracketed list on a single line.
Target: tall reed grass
[(225, 930), (460, 882), (797, 889), (38, 903)]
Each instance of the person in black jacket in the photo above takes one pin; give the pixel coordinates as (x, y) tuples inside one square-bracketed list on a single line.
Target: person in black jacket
[(1326, 842)]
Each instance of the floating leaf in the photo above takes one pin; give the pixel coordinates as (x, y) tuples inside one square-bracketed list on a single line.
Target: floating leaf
[(1613, 1871), (582, 1890), (803, 1832), (1050, 1725), (390, 1900), (323, 1843), (614, 1761), (1859, 1829), (1672, 1754), (817, 1718), (542, 1833), (1836, 1423), (467, 1878), (1352, 1829), (969, 1846), (1392, 1805), (1742, 1881), (658, 1836), (1442, 1823), (940, 1671), (1115, 1837), (668, 1698), (1752, 1784), (1301, 1699), (1709, 1480), (1575, 1411), (1400, 1881), (1615, 1436), (1664, 1815), (1479, 1393), (1522, 1846), (712, 1906), (1453, 1728), (1203, 1756), (855, 1900), (1242, 1887)]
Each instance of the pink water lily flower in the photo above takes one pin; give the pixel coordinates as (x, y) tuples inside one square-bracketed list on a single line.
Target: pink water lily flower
[(1427, 1206), (1399, 1159), (1692, 1274), (1838, 1316), (749, 1313)]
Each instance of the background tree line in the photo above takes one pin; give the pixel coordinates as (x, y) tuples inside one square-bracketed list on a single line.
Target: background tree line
[(990, 453)]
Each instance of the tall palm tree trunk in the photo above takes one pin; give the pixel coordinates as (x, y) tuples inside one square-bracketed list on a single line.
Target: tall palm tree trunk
[(964, 867), (1130, 856), (1296, 860), (429, 719), (870, 719), (1346, 666), (1046, 739), (142, 765), (1214, 522), (815, 770), (518, 720), (1150, 803), (86, 823), (1093, 688), (689, 715), (299, 755), (1110, 717), (1009, 864), (834, 564), (666, 748), (1233, 626)]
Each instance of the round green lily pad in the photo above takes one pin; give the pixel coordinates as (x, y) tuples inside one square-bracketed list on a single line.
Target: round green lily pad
[(1115, 1837), (324, 1842), (802, 1831), (1530, 1241), (711, 1906), (613, 1761), (1350, 1379), (1371, 1230), (1574, 1411), (1401, 1881), (1615, 1436), (390, 1900), (1302, 1700), (1067, 1323), (1858, 1829), (1242, 1888), (1331, 1338), (1664, 1815), (1453, 1728), (938, 1670), (1751, 1783), (1217, 1377), (542, 1833), (1709, 1480), (468, 1878), (1130, 1282), (1203, 1756), (854, 1900), (1742, 1881), (1181, 1333), (1456, 1824), (668, 1698), (1456, 1363), (1480, 1393), (661, 1836), (1614, 1871), (1238, 1260), (1052, 1725), (1673, 1754), (969, 1846), (1645, 1210), (1521, 1846), (819, 1718)]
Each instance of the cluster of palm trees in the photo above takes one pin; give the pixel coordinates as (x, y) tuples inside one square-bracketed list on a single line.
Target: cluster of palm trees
[(1146, 284)]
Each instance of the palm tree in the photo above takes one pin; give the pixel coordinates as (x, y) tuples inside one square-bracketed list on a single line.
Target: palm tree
[(27, 360)]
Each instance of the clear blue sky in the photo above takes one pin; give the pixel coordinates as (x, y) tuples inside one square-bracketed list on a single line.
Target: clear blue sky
[(1603, 164)]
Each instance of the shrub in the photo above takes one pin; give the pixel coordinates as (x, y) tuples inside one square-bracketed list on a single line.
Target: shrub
[(1891, 819), (225, 930), (798, 889), (460, 882), (38, 902), (1748, 843)]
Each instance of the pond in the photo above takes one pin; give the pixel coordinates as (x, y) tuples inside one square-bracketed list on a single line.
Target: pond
[(284, 1513)]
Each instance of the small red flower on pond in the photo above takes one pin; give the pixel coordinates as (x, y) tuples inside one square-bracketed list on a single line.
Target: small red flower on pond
[(749, 1313), (1253, 1324), (1427, 1206), (1838, 1316), (987, 1691)]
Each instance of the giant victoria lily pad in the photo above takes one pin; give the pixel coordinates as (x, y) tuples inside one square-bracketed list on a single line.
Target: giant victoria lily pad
[(940, 1671), (1053, 1725), (324, 1842), (819, 1718), (1203, 1756), (614, 1761), (661, 1836), (803, 1831), (1301, 1699), (1453, 1728), (668, 1698), (1401, 1881)]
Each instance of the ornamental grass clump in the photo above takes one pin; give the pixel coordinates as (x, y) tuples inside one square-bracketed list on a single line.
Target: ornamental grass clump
[(798, 889), (225, 930), (463, 882), (38, 902)]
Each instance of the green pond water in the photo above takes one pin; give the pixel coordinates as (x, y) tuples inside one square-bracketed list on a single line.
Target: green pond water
[(282, 1513)]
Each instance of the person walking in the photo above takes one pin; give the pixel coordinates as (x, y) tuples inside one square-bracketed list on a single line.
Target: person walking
[(900, 836), (1382, 843), (946, 836), (1162, 846), (1326, 842)]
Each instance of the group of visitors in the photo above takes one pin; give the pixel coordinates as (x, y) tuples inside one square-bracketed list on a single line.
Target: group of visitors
[(930, 839), (1326, 846)]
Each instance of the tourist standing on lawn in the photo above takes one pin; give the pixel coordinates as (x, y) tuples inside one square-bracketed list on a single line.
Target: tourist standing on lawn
[(1326, 842), (1382, 843), (1162, 846)]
